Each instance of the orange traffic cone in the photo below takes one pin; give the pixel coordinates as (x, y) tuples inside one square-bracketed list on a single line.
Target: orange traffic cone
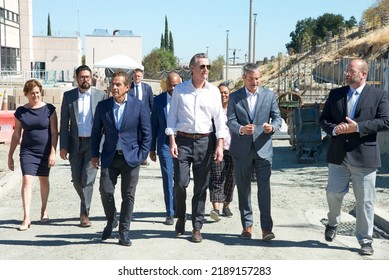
[(4, 105)]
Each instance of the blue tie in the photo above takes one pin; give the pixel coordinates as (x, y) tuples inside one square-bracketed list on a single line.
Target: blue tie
[(136, 92)]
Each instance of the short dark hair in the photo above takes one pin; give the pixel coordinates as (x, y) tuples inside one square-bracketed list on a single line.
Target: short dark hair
[(194, 59), (124, 74), (83, 68)]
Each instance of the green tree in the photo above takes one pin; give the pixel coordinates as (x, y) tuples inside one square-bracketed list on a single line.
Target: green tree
[(166, 37), (351, 22), (158, 60), (48, 26), (162, 42), (302, 35), (216, 71), (328, 22), (171, 43)]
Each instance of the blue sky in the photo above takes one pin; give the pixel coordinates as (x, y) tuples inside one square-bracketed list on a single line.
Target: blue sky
[(197, 26)]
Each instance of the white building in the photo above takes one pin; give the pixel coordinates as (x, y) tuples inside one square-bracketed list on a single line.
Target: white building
[(51, 57)]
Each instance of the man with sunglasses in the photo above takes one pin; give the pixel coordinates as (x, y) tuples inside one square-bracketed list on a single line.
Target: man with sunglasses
[(193, 106), (351, 117)]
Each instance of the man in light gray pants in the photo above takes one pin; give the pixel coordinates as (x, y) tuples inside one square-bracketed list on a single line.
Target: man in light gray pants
[(77, 110)]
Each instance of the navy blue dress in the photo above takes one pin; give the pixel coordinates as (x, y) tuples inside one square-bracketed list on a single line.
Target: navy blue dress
[(36, 139)]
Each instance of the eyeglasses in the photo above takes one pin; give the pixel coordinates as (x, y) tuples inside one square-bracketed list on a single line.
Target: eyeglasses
[(351, 72), (84, 77), (202, 67)]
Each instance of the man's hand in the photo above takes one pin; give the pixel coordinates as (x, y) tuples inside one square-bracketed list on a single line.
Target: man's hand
[(63, 153), (267, 128), (95, 162), (346, 128), (153, 156), (248, 129)]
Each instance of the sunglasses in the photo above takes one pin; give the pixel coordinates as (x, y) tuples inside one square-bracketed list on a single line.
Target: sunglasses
[(202, 67)]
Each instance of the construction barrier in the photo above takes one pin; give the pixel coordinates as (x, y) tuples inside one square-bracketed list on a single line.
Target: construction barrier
[(7, 125)]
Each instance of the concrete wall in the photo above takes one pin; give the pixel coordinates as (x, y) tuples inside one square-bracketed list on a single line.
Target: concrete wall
[(59, 53)]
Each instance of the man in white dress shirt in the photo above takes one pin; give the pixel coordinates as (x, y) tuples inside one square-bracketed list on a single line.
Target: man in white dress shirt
[(193, 106)]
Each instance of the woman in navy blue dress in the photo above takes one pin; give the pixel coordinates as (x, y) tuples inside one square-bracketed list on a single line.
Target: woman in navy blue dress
[(36, 125)]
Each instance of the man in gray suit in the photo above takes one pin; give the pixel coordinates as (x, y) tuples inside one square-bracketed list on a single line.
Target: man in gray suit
[(253, 116), (77, 110)]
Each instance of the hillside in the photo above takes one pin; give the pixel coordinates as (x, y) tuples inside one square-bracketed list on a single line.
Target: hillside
[(374, 46)]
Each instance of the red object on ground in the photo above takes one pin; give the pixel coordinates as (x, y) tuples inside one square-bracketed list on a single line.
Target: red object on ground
[(7, 125)]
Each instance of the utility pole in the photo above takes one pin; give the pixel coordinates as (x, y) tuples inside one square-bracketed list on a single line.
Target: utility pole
[(250, 23), (226, 77), (255, 29)]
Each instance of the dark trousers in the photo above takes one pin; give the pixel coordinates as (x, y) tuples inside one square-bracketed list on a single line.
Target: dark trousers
[(243, 172), (83, 175), (129, 180), (197, 152), (166, 164)]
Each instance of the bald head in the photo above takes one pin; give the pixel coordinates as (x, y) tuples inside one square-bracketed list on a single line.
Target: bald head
[(173, 79)]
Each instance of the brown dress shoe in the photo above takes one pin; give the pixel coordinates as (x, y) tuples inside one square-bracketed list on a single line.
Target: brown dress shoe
[(267, 235), (196, 236), (84, 221), (180, 226), (247, 232)]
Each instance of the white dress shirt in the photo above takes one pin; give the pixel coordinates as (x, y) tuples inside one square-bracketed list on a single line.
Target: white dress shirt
[(192, 110), (84, 114)]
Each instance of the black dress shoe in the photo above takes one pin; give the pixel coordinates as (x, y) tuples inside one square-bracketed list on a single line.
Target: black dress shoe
[(125, 242), (124, 239), (107, 232), (330, 233), (196, 236), (180, 226)]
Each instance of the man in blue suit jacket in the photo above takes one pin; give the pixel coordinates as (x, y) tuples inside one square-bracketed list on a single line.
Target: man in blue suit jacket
[(250, 110), (160, 143), (352, 116), (122, 118), (142, 91)]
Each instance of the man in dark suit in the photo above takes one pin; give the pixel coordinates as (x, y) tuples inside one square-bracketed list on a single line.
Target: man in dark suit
[(250, 110), (122, 118), (77, 111), (352, 116), (160, 143), (142, 91)]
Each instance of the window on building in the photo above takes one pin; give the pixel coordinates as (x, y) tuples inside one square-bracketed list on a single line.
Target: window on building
[(2, 15), (8, 58)]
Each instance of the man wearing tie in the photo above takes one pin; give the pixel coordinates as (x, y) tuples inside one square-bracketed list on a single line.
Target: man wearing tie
[(351, 117), (77, 111), (249, 112), (160, 143), (141, 91), (122, 118)]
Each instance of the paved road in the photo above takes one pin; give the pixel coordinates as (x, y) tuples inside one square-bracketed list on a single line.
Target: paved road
[(299, 206)]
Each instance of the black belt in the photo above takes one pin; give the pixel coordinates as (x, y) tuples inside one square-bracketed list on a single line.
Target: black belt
[(83, 138), (119, 152), (193, 136)]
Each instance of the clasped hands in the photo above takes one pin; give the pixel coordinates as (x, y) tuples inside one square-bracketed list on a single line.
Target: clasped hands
[(248, 129), (346, 127)]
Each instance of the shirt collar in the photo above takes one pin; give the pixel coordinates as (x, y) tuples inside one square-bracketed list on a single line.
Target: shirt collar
[(359, 89), (88, 92)]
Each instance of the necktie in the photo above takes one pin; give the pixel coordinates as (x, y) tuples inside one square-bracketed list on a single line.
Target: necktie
[(136, 92), (351, 103)]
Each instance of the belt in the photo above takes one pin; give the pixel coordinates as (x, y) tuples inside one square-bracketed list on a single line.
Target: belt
[(193, 136), (83, 138), (119, 152)]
